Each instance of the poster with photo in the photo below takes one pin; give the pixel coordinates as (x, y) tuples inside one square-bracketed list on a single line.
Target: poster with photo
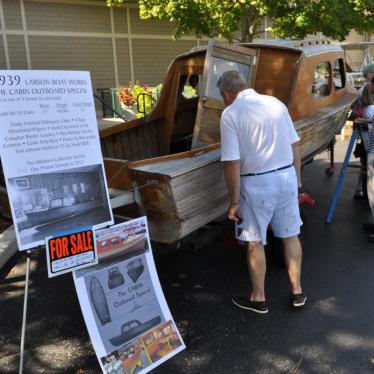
[(50, 154), (127, 317)]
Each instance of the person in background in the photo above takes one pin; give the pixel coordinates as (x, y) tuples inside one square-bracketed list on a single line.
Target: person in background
[(360, 190), (367, 119), (368, 74), (261, 161)]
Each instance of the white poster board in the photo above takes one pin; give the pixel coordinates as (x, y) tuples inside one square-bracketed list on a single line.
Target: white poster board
[(50, 153), (126, 314)]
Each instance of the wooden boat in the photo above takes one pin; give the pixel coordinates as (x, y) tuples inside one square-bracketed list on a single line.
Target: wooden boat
[(172, 157)]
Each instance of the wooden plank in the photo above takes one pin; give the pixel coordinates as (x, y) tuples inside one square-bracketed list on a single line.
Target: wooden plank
[(103, 148), (146, 142), (141, 145), (117, 173), (118, 147), (174, 167), (212, 212), (109, 145), (201, 204), (233, 56), (211, 171), (135, 165), (149, 145), (127, 151), (137, 154), (286, 67), (218, 47)]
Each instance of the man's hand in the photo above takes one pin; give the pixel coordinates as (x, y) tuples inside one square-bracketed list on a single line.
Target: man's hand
[(233, 213), (297, 161), (361, 120)]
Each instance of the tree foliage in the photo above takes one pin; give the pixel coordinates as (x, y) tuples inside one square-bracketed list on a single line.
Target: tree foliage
[(290, 19)]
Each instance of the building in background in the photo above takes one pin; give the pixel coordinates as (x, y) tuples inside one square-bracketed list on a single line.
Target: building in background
[(112, 43)]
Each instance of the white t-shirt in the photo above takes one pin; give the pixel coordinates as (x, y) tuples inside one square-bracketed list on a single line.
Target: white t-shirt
[(257, 130)]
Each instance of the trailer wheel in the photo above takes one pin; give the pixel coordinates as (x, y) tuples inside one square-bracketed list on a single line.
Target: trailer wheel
[(330, 171)]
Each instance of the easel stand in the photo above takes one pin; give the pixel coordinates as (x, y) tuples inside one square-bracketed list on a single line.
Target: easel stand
[(357, 133), (23, 331)]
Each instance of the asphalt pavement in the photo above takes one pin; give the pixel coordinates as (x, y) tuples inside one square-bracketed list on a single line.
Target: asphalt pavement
[(334, 333)]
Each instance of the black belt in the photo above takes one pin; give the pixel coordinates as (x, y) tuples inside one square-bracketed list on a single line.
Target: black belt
[(267, 172)]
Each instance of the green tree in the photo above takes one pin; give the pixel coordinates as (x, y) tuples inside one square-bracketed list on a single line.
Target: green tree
[(292, 18)]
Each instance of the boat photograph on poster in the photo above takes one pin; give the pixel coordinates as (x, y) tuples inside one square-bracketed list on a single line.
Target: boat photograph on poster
[(124, 307), (43, 203), (123, 239)]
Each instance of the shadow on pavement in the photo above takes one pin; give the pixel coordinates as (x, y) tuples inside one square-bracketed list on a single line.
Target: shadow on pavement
[(333, 333)]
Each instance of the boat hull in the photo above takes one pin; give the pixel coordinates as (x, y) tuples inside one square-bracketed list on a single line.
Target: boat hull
[(126, 247), (317, 132), (51, 215), (184, 192), (179, 200)]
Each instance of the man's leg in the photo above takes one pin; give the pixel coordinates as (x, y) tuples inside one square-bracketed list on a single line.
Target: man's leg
[(293, 257), (257, 269)]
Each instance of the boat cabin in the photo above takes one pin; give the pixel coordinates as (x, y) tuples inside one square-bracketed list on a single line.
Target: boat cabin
[(308, 77)]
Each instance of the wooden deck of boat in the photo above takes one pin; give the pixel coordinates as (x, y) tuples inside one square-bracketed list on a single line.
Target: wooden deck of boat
[(178, 166)]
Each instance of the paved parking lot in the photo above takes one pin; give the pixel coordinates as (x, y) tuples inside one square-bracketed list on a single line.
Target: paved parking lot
[(334, 333)]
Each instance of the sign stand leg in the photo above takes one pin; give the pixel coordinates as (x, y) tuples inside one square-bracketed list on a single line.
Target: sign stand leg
[(23, 331)]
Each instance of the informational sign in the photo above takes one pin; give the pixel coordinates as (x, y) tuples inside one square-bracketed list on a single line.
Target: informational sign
[(50, 152), (71, 251), (130, 325)]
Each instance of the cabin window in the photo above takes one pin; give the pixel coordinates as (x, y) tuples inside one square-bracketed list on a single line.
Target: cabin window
[(83, 188), (65, 188), (321, 86), (339, 74), (221, 65), (22, 183), (191, 87)]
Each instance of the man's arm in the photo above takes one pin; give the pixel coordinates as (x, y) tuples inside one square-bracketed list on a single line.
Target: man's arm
[(297, 161), (232, 176)]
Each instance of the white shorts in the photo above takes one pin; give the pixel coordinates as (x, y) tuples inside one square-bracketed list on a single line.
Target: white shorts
[(270, 198)]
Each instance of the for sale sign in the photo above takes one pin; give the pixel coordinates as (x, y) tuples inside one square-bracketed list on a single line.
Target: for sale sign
[(71, 251)]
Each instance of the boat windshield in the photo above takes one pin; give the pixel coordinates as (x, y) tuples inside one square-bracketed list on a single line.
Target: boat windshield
[(220, 66)]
